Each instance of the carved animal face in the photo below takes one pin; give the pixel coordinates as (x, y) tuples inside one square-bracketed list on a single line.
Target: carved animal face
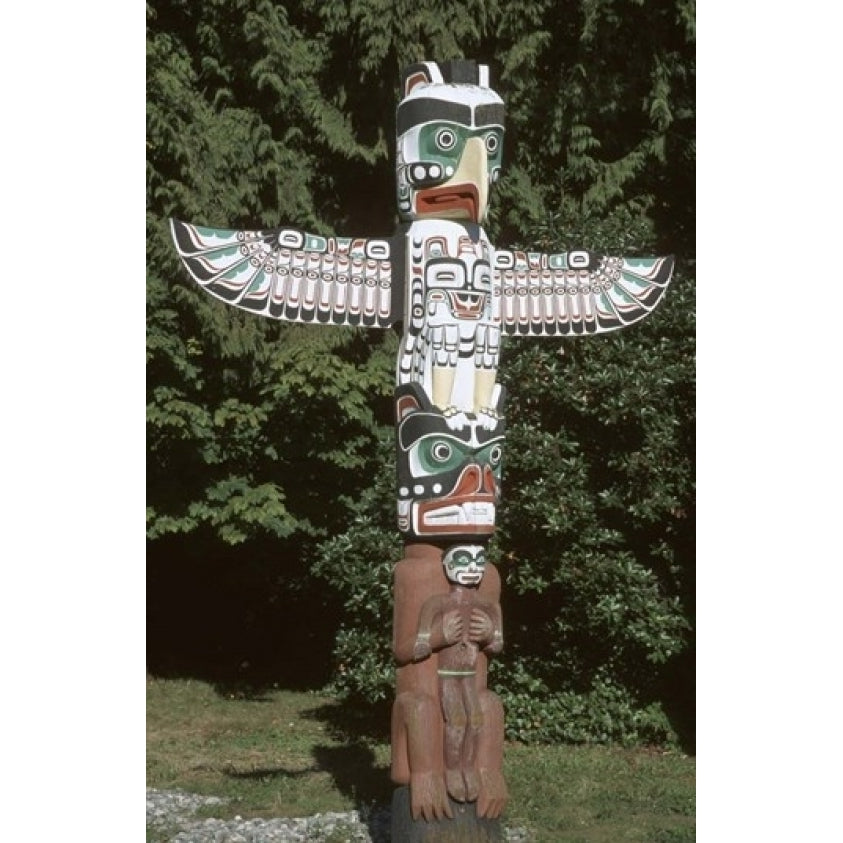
[(449, 480), (450, 128)]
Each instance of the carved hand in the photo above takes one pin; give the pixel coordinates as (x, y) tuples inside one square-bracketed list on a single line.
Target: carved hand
[(452, 626), (481, 627)]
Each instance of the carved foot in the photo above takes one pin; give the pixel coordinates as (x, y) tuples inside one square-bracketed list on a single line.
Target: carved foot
[(455, 418), (493, 794), (489, 418), (428, 797)]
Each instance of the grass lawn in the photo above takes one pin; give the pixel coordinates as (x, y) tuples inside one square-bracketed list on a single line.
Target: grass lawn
[(283, 753)]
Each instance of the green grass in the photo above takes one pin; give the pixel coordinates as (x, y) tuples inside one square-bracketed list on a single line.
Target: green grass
[(282, 753)]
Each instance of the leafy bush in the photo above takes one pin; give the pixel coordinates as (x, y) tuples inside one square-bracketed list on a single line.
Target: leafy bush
[(358, 565), (606, 713)]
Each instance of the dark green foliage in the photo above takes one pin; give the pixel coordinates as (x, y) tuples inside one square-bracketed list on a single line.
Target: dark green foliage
[(272, 444), (596, 539), (604, 713)]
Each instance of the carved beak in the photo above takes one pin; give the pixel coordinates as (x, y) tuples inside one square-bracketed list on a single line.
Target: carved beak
[(466, 194)]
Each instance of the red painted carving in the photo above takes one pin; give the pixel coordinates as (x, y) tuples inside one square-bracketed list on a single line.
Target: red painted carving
[(447, 726)]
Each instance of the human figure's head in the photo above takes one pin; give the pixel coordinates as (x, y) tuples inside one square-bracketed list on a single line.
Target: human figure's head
[(465, 564)]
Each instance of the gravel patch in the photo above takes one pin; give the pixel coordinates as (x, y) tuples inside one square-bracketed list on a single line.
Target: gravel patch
[(174, 811), (172, 815)]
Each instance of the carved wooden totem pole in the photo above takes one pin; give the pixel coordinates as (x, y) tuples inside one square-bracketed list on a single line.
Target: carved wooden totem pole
[(454, 296)]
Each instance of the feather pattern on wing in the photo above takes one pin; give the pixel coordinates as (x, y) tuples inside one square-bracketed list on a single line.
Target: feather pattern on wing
[(575, 293), (288, 274)]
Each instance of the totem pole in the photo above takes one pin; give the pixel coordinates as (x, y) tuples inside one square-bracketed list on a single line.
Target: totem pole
[(453, 295)]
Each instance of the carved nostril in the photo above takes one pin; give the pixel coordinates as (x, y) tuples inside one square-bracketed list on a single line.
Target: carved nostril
[(469, 482), (488, 480)]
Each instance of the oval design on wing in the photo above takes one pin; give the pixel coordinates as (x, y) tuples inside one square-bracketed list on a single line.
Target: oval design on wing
[(291, 238)]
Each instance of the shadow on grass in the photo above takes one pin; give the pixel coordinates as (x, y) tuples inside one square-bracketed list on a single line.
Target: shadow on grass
[(358, 777), (354, 766), (356, 773), (261, 773)]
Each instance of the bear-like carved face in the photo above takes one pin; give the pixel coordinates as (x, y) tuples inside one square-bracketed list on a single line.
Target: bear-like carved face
[(449, 480)]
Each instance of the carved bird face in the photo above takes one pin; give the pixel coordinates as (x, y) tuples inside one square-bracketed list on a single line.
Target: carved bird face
[(450, 143)]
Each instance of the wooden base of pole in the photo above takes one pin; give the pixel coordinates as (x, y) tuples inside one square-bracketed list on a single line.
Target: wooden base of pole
[(465, 827)]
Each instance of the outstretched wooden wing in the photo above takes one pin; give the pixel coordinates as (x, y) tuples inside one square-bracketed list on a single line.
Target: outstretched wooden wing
[(291, 275), (575, 293)]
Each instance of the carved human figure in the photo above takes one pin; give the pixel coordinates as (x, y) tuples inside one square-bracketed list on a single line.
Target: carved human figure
[(468, 623), (447, 726)]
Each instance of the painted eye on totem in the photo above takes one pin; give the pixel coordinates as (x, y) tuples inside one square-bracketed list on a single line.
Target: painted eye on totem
[(441, 452), (445, 139), (435, 455), (495, 455), (493, 143)]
